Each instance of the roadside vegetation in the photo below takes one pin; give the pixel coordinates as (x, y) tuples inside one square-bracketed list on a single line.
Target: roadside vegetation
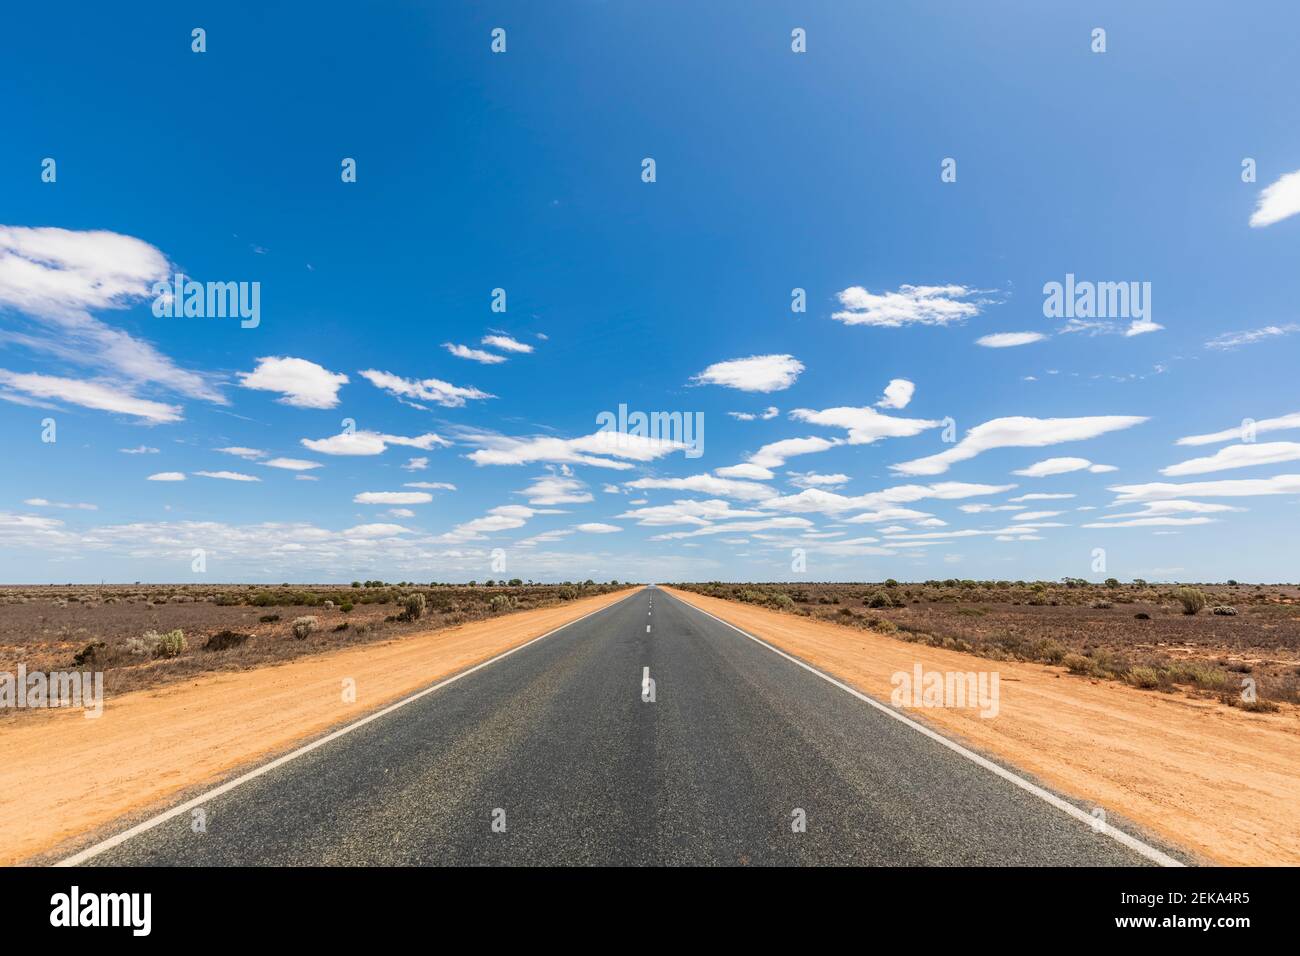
[(1220, 640), (147, 635)]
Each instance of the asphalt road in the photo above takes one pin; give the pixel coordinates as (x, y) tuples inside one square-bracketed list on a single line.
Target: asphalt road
[(557, 742)]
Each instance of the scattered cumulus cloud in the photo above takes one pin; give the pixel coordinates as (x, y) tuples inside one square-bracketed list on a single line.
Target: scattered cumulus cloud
[(1061, 466), (370, 443), (1277, 201), (413, 391), (758, 373), (301, 383), (1017, 432), (474, 355), (1006, 340), (910, 305)]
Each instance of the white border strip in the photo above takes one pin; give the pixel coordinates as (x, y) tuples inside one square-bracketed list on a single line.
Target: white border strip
[(90, 852), (1119, 836)]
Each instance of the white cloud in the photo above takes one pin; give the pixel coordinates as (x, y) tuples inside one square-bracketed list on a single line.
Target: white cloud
[(1172, 506), (898, 393), (1239, 433), (1017, 432), (1237, 456), (1277, 201), (1147, 522), (758, 373), (1006, 340), (709, 485), (376, 531), (1061, 466), (600, 449), (766, 415), (687, 511), (227, 475), (556, 490), (301, 383), (910, 305), (811, 479), (431, 485), (595, 527), (506, 344), (829, 502), (864, 425), (167, 476), (1232, 340), (239, 451), (1043, 496), (474, 355), (734, 527), (890, 514), (370, 443), (1224, 488), (400, 513), (101, 397), (139, 450), (1035, 515), (57, 276), (428, 390), (416, 464), (744, 470), (292, 464), (72, 506), (774, 455), (392, 498), (501, 518)]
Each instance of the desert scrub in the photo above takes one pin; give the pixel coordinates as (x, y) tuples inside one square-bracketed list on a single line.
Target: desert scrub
[(501, 602), (1224, 610), (1192, 599), (1078, 664), (225, 640), (303, 626), (1200, 674), (782, 601), (1147, 678), (413, 606), (171, 644)]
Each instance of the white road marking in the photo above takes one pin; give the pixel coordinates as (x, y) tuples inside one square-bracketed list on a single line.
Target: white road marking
[(114, 841), (1119, 836), (647, 628)]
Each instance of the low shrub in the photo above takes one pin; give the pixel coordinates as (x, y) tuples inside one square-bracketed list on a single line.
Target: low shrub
[(1192, 599), (92, 653), (413, 606), (1144, 677), (225, 640), (303, 626), (171, 644)]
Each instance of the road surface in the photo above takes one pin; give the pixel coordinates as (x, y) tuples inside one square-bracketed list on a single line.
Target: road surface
[(555, 755)]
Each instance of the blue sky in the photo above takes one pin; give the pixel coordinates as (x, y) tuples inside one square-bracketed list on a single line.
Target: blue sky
[(774, 170)]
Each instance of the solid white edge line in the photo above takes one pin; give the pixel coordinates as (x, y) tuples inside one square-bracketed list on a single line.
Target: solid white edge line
[(1119, 836), (90, 852)]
